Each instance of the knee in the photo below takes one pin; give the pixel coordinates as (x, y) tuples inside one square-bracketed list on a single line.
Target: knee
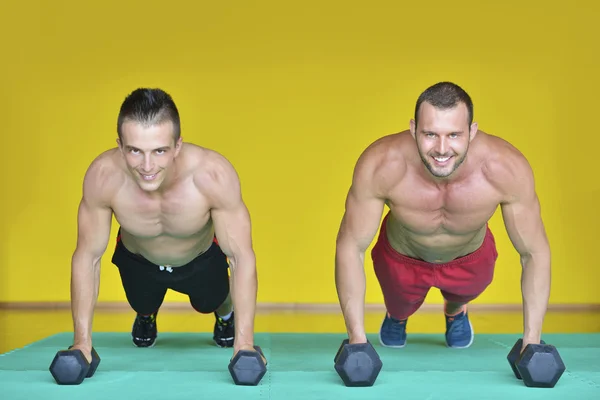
[(455, 298), (203, 307), (143, 309), (206, 305)]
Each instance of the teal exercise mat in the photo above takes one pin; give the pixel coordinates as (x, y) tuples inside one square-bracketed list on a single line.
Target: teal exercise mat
[(300, 367)]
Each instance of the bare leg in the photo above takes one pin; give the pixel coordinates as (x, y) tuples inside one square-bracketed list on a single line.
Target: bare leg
[(451, 308), (225, 308)]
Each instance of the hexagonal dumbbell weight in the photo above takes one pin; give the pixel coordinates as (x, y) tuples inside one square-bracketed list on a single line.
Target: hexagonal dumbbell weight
[(539, 365), (357, 364), (70, 367), (247, 367)]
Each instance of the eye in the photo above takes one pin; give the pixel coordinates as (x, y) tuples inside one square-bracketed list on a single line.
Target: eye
[(159, 152), (134, 151), (453, 135)]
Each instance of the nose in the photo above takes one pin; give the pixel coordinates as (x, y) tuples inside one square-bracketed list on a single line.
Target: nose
[(147, 165), (442, 146)]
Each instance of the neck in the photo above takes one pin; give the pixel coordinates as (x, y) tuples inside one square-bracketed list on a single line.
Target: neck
[(456, 176), (170, 176), (166, 184)]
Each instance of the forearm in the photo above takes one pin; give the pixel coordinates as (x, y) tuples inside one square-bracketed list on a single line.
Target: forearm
[(351, 286), (244, 292), (85, 282), (535, 288)]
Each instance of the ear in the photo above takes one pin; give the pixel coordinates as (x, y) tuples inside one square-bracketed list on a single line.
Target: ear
[(178, 145), (473, 131), (120, 145), (413, 128)]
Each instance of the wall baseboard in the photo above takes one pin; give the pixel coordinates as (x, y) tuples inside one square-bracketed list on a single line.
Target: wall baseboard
[(263, 308)]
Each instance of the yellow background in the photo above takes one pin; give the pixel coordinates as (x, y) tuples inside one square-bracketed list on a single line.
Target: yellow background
[(292, 92)]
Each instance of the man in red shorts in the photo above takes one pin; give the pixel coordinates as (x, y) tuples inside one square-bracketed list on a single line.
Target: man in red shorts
[(442, 182)]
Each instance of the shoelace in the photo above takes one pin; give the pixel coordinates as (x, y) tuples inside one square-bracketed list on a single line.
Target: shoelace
[(145, 322), (224, 324), (457, 327), (396, 326)]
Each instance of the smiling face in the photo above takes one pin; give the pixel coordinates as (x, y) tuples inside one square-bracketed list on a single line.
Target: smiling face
[(149, 151), (443, 137)]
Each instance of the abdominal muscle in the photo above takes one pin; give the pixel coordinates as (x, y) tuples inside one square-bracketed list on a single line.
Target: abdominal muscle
[(434, 243), (168, 249)]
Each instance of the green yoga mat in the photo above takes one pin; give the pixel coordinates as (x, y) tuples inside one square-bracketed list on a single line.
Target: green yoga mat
[(189, 366)]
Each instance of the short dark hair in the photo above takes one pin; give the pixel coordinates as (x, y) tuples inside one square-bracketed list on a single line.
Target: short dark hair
[(149, 107), (444, 95)]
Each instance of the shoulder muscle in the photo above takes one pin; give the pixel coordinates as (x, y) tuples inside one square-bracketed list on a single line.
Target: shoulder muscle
[(379, 167), (509, 172), (217, 179), (102, 179)]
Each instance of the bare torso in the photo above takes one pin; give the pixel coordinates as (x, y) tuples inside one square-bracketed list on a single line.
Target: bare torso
[(173, 228), (438, 222)]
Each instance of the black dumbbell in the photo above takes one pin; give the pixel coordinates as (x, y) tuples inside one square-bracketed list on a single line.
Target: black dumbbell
[(357, 364), (344, 342), (539, 365), (70, 367), (247, 367)]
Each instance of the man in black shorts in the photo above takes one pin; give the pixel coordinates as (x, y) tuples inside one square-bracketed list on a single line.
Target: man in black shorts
[(205, 280), (183, 226)]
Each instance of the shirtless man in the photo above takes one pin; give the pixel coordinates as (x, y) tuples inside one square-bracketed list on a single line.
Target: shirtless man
[(183, 223), (442, 182)]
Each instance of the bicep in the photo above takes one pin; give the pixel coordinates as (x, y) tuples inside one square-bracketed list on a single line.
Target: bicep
[(512, 175), (524, 226), (230, 216), (93, 228), (361, 219), (233, 229)]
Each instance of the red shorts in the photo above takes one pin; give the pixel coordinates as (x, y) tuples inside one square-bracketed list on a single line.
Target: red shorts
[(405, 281)]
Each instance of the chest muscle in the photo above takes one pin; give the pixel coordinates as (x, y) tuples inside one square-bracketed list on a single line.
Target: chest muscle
[(178, 215), (451, 210)]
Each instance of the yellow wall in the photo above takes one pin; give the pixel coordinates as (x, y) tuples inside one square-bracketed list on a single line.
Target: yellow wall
[(291, 93)]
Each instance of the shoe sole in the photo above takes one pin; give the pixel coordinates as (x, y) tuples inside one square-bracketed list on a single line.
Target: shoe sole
[(468, 344), (145, 347), (228, 344), (388, 345)]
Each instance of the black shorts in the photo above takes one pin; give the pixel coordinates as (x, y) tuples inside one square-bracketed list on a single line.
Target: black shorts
[(205, 279)]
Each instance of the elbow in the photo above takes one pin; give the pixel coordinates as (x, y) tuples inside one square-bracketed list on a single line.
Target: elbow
[(348, 247), (82, 258), (342, 244), (96, 262), (536, 259), (245, 261), (342, 240), (524, 259)]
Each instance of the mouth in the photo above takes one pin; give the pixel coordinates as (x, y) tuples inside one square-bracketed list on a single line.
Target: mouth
[(442, 160), (147, 177)]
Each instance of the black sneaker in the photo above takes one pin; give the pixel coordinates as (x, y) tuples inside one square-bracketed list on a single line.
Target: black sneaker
[(224, 331), (144, 330)]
